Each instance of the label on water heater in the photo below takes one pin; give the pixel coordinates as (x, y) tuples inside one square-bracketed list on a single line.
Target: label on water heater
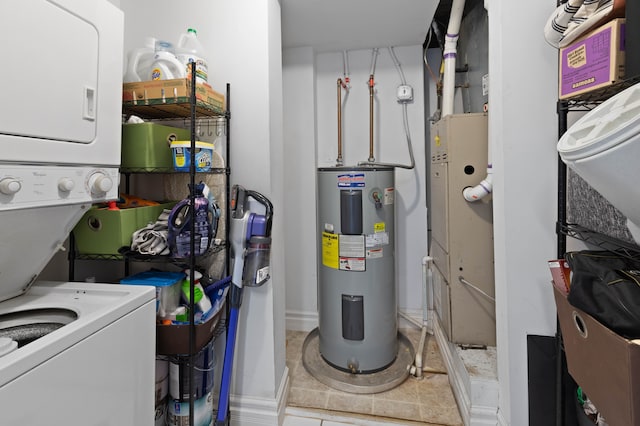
[(330, 250), (351, 245), (377, 239), (376, 253), (351, 180), (388, 196), (352, 263), (352, 252)]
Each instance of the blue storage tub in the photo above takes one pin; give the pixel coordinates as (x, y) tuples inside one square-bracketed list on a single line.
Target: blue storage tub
[(168, 289)]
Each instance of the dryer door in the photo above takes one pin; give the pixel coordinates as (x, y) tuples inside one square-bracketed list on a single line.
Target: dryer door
[(61, 82), (49, 74)]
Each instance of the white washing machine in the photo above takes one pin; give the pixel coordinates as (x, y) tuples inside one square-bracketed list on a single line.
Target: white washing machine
[(70, 353)]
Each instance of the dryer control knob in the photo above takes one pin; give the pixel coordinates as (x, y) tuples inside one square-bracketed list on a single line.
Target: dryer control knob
[(66, 184), (100, 183), (10, 186)]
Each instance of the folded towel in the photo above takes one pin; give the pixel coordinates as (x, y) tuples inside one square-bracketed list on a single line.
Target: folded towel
[(152, 239)]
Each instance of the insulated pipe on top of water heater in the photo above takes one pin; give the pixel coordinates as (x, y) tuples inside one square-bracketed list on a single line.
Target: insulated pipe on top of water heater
[(371, 84), (340, 85)]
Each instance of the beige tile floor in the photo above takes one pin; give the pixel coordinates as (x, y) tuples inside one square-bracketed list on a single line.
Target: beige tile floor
[(428, 400)]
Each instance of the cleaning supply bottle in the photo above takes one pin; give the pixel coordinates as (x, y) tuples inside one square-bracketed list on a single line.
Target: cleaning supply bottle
[(200, 298), (139, 62), (165, 64), (179, 224), (190, 50)]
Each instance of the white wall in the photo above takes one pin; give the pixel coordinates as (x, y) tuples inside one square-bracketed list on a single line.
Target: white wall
[(299, 79), (523, 125), (311, 141)]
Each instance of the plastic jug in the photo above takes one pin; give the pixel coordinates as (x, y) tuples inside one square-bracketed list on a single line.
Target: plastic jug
[(139, 62), (190, 50), (165, 65), (180, 225)]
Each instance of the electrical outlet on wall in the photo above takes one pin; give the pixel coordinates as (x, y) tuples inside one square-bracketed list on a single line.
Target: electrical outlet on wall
[(405, 93)]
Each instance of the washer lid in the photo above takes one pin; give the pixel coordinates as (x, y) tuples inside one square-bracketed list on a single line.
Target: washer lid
[(30, 238), (7, 346), (614, 121)]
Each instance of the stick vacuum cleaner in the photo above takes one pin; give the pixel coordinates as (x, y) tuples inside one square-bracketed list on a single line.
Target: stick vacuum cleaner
[(250, 237)]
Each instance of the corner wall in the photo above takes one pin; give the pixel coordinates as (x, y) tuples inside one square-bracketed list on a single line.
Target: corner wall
[(523, 126)]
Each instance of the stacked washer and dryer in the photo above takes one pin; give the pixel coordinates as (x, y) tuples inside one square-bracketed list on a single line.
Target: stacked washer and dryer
[(70, 353)]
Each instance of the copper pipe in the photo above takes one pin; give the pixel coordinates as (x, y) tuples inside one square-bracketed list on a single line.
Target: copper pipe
[(371, 158), (339, 159)]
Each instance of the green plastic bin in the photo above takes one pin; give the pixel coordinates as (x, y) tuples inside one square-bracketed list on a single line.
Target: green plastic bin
[(147, 146), (103, 232)]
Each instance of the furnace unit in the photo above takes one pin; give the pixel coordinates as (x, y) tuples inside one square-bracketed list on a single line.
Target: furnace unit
[(462, 231)]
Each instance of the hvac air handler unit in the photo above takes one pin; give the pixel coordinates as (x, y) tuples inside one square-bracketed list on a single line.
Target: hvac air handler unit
[(462, 232)]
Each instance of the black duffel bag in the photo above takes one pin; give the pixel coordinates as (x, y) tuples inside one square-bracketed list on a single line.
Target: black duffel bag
[(606, 286)]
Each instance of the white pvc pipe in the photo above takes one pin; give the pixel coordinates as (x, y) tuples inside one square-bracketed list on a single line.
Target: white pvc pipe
[(481, 190), (450, 53), (485, 187), (426, 284), (409, 318), (417, 368)]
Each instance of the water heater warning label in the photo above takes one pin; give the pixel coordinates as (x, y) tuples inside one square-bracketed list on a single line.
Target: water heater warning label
[(352, 264), (352, 253), (388, 196), (351, 245), (377, 239), (330, 250)]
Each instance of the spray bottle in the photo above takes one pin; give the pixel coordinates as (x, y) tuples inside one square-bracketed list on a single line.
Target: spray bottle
[(190, 50)]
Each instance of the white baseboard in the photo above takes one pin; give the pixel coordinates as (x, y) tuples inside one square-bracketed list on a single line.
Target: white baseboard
[(301, 320), (477, 398), (501, 420), (251, 411)]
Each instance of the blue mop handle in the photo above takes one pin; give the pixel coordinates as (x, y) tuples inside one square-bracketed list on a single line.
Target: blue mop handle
[(227, 367)]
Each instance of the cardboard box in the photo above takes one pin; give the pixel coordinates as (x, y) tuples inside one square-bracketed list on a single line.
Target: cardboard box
[(604, 364), (103, 232), (561, 274), (147, 146), (594, 61), (174, 92)]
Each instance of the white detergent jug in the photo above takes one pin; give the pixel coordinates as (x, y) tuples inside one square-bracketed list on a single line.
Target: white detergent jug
[(165, 65), (139, 62), (190, 50)]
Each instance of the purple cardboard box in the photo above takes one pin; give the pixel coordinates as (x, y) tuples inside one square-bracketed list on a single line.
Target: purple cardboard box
[(594, 61)]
